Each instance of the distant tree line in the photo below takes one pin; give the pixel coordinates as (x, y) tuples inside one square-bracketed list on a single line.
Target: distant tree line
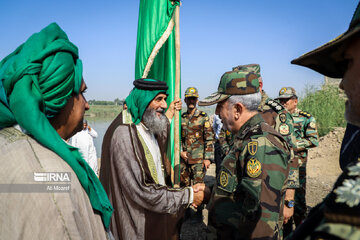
[(117, 101)]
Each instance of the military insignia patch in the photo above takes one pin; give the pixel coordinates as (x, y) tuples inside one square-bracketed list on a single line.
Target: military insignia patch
[(253, 168), (282, 117), (252, 147), (223, 179), (282, 91), (228, 133), (284, 129), (207, 124), (197, 134), (312, 125)]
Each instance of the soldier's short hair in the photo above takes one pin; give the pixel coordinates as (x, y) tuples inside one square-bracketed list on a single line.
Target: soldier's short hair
[(250, 101)]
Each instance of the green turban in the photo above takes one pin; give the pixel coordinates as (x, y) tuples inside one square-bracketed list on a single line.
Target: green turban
[(37, 80), (141, 95)]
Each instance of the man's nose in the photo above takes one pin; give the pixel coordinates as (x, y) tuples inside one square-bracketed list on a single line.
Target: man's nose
[(87, 107), (163, 104)]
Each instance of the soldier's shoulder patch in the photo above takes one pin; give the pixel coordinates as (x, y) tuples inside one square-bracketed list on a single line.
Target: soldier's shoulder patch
[(306, 114), (207, 124), (252, 147), (224, 179), (282, 117), (202, 113), (312, 125), (253, 168), (284, 129)]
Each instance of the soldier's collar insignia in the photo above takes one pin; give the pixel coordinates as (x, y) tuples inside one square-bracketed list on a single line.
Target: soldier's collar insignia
[(252, 147), (282, 117), (354, 170), (284, 129), (228, 133), (282, 91), (253, 168), (224, 179), (348, 192)]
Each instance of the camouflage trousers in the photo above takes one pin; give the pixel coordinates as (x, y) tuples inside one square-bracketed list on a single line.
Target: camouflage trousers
[(191, 174), (300, 201)]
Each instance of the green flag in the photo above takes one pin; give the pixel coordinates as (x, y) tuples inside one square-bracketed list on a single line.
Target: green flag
[(155, 48)]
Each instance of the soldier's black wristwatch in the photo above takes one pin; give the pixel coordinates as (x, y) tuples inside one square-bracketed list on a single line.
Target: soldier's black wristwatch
[(290, 203)]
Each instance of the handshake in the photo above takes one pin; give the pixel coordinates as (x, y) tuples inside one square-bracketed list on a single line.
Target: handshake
[(201, 194)]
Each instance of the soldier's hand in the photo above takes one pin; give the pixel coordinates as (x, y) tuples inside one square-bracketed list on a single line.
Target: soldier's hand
[(184, 156), (288, 213), (207, 164)]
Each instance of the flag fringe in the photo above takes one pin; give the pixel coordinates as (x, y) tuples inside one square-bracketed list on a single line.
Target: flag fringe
[(157, 47)]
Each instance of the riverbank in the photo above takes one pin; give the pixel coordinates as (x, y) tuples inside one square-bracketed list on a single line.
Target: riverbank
[(103, 111)]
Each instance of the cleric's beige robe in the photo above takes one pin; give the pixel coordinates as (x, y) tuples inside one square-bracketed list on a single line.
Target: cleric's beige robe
[(44, 215), (142, 208)]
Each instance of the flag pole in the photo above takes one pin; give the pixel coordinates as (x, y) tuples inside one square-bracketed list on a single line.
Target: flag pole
[(177, 96)]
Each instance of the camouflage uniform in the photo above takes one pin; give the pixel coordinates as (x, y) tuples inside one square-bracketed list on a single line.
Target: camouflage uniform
[(248, 197), (337, 217), (306, 138), (224, 142), (197, 140), (281, 120)]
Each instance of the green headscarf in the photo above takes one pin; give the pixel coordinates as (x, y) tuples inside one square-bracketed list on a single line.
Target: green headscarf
[(141, 95), (36, 81)]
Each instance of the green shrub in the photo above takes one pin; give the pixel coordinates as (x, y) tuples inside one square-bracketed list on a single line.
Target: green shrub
[(327, 105)]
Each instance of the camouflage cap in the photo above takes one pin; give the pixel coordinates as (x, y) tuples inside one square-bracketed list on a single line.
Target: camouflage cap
[(233, 83), (328, 58), (191, 92), (287, 92), (248, 68)]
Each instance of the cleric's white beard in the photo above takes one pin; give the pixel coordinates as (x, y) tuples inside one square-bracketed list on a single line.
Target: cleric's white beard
[(156, 124)]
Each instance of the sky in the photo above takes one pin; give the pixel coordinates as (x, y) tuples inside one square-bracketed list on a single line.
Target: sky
[(214, 36)]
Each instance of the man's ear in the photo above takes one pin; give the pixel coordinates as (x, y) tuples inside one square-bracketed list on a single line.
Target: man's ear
[(238, 109)]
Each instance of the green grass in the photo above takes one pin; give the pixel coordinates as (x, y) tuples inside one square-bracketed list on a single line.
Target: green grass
[(103, 111), (327, 105)]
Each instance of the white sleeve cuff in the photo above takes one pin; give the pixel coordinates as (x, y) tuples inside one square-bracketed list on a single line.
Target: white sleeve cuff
[(191, 198)]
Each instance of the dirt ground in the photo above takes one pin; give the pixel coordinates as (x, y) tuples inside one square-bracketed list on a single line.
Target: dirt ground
[(322, 171)]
